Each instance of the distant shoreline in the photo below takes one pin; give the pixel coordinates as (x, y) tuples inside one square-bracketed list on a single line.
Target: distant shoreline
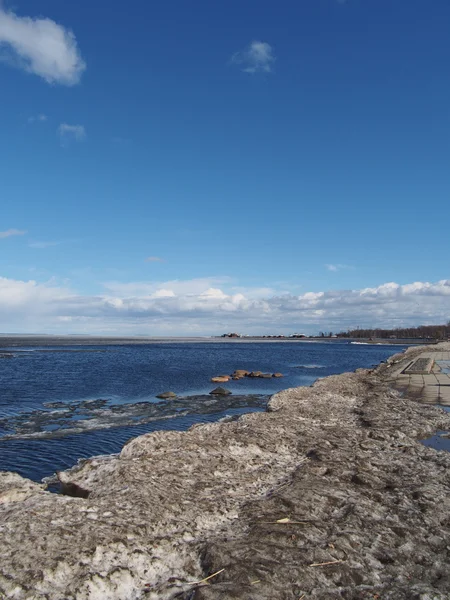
[(20, 340)]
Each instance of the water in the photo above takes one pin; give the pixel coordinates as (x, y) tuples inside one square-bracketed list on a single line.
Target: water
[(439, 441), (61, 404)]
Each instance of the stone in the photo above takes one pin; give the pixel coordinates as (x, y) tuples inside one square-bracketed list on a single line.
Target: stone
[(255, 374), (220, 391), (239, 373), (266, 376), (220, 379), (278, 375), (167, 396)]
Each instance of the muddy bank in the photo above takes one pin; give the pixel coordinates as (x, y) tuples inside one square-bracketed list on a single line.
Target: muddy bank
[(327, 495)]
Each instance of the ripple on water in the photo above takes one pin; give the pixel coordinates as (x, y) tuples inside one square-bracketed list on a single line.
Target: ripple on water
[(78, 417), (107, 393)]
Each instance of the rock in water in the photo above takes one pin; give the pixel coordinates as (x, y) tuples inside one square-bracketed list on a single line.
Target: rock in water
[(167, 396), (278, 375), (255, 374), (220, 391), (240, 373), (220, 379)]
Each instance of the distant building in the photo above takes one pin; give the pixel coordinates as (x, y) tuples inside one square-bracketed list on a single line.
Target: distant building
[(231, 335), (298, 335)]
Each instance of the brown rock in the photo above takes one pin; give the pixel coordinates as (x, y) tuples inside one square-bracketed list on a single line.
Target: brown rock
[(266, 376), (240, 373), (220, 379), (255, 374), (167, 396), (278, 375)]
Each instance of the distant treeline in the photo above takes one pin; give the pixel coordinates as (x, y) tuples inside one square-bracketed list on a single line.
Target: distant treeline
[(435, 332)]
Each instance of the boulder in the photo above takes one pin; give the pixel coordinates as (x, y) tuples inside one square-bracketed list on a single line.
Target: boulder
[(278, 375), (240, 373), (220, 379), (220, 391), (167, 396), (266, 376), (255, 374)]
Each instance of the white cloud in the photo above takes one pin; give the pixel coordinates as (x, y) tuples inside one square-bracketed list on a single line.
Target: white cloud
[(154, 259), (163, 294), (257, 292), (337, 267), (69, 133), (40, 46), (11, 232), (38, 119), (190, 287), (197, 307), (213, 293), (19, 297), (258, 57)]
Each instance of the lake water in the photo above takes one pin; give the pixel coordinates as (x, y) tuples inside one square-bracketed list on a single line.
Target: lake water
[(61, 404)]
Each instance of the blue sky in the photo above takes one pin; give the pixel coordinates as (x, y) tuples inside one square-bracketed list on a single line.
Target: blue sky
[(275, 160)]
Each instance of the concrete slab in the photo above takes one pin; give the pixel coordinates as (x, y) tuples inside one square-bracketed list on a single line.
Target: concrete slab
[(428, 385), (421, 366)]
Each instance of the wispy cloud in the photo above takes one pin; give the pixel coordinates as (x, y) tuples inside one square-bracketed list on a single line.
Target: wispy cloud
[(154, 259), (68, 133), (37, 119), (10, 232), (338, 267), (43, 244), (180, 287), (258, 57), (40, 46)]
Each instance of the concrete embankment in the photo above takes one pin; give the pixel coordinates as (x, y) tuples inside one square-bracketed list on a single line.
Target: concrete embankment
[(328, 495)]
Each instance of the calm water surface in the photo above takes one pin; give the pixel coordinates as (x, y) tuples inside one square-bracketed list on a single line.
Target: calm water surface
[(60, 404)]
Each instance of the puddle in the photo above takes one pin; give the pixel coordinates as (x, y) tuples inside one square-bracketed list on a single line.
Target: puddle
[(444, 366), (439, 441)]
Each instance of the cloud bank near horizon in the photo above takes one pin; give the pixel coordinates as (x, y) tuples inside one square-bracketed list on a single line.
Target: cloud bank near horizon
[(201, 307)]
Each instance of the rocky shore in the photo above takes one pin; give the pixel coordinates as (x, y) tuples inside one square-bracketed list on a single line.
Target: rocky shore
[(327, 495)]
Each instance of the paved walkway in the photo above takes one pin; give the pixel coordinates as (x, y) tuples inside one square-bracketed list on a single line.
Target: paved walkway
[(433, 387)]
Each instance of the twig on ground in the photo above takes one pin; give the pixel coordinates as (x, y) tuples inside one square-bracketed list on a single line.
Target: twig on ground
[(206, 578), (324, 564), (285, 521)]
